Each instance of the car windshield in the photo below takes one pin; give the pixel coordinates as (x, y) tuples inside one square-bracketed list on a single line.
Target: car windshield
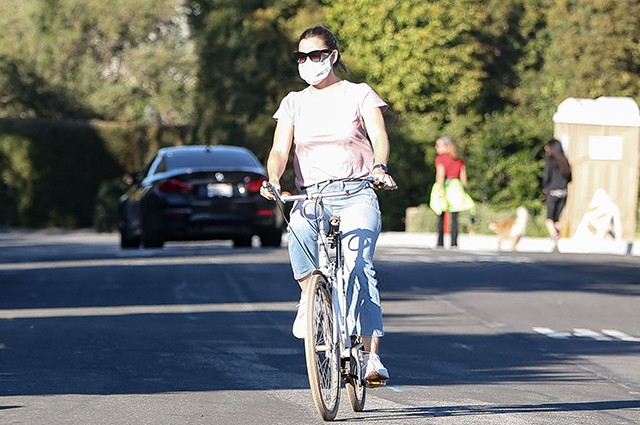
[(208, 159)]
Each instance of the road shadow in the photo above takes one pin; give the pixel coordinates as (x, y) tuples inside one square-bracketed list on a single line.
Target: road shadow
[(254, 350), (404, 413), (238, 347)]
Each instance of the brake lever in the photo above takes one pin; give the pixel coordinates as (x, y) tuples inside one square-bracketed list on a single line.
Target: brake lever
[(274, 191), (378, 184), (270, 189)]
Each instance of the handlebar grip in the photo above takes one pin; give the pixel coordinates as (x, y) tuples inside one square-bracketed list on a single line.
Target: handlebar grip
[(381, 184)]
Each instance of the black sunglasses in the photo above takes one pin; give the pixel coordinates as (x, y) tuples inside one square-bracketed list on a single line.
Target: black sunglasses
[(315, 55)]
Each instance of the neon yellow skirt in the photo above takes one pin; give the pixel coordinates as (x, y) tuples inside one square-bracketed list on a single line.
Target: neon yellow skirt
[(453, 198)]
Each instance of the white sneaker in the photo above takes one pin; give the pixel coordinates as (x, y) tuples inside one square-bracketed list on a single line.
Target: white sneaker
[(300, 324), (375, 370)]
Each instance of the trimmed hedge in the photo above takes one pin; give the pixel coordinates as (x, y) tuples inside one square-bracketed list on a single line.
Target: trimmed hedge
[(51, 171)]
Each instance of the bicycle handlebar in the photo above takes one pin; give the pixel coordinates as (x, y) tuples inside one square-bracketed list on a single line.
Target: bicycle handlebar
[(285, 197)]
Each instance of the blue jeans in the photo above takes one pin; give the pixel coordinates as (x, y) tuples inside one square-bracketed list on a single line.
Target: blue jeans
[(360, 225)]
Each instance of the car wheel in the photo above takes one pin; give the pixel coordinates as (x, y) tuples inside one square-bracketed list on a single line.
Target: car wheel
[(127, 242), (272, 238), (152, 240), (242, 241)]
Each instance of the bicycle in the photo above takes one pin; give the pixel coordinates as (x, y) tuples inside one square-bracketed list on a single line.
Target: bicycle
[(331, 355)]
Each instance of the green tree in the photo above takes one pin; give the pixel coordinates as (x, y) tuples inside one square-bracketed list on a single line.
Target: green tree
[(426, 59), (515, 34), (505, 160), (595, 49), (246, 66), (420, 56), (127, 60), (504, 149)]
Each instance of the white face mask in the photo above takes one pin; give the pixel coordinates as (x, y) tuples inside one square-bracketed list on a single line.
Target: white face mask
[(314, 72)]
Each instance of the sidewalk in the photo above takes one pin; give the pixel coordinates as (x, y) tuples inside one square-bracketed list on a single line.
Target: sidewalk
[(490, 243)]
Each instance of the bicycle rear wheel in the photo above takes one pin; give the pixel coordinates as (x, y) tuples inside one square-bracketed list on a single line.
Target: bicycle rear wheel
[(321, 351), (354, 384)]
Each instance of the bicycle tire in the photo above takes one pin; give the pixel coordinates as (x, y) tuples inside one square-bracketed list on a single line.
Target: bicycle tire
[(321, 351), (354, 384)]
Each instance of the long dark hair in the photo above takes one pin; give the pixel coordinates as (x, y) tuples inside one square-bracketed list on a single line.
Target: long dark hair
[(329, 41), (557, 154)]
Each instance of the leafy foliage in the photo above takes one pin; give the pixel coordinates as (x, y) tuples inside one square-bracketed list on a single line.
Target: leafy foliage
[(51, 171), (420, 56), (595, 50), (489, 73), (510, 148), (246, 67), (125, 60)]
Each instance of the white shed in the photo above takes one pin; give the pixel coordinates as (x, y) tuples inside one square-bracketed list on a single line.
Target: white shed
[(601, 138)]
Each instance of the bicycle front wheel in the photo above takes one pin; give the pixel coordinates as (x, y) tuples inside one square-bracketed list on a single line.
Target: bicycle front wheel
[(321, 350)]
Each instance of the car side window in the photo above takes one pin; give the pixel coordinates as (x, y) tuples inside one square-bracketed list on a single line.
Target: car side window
[(145, 171), (162, 167), (155, 166)]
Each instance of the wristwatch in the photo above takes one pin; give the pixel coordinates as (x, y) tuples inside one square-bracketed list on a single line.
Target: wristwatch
[(381, 166)]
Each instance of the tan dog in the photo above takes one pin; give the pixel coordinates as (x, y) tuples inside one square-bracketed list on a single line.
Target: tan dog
[(512, 229)]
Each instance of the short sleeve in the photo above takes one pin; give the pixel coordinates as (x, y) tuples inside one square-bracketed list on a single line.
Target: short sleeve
[(286, 108), (370, 99)]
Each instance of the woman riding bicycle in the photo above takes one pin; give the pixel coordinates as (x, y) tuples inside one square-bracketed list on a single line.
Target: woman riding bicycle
[(328, 123)]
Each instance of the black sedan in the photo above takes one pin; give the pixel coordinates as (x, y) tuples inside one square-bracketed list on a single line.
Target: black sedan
[(196, 193)]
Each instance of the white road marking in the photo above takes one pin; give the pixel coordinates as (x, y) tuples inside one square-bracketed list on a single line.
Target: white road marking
[(33, 313), (588, 333), (407, 257), (620, 335), (134, 262), (466, 347), (551, 333)]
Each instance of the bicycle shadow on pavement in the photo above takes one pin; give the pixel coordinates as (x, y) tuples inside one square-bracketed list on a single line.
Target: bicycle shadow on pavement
[(400, 414)]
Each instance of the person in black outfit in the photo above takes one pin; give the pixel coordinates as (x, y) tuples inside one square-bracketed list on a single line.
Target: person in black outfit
[(557, 175)]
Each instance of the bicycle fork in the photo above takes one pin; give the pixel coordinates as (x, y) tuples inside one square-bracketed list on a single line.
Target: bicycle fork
[(342, 337)]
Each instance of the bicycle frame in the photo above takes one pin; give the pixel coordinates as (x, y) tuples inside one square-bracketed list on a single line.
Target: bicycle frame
[(330, 359), (332, 269)]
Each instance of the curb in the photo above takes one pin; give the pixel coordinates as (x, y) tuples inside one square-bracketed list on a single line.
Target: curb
[(489, 243)]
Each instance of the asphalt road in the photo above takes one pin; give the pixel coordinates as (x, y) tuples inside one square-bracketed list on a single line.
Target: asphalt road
[(200, 334)]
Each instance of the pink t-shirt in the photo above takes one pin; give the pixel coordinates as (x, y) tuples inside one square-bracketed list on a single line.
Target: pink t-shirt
[(328, 132)]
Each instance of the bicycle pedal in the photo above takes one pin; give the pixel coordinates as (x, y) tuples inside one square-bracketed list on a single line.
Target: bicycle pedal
[(376, 384)]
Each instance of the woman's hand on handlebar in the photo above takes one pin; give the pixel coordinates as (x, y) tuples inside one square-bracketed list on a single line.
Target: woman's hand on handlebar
[(387, 182), (267, 189)]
